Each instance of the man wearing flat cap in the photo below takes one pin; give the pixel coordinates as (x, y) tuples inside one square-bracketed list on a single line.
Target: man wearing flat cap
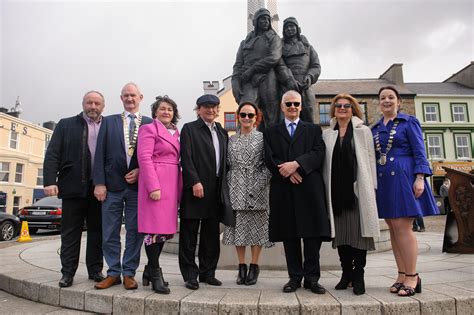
[(204, 201)]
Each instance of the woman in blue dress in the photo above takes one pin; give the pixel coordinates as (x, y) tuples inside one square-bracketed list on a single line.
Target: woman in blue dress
[(403, 192)]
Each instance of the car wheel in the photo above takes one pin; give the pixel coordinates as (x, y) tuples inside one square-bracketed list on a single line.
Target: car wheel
[(32, 230), (7, 231)]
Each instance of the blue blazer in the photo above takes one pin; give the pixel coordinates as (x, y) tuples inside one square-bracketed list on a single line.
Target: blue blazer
[(110, 163)]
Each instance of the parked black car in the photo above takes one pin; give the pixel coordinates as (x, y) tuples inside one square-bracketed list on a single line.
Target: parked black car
[(46, 213), (9, 226)]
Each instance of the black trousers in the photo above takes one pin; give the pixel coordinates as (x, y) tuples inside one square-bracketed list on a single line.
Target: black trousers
[(297, 269), (209, 248), (75, 210)]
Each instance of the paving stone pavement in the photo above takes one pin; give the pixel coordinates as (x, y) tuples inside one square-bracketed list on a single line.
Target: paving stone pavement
[(32, 271)]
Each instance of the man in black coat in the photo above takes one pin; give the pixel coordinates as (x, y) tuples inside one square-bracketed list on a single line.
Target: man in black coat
[(203, 158), (67, 174), (294, 153)]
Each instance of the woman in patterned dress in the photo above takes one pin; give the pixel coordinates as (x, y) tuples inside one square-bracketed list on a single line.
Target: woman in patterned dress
[(403, 192), (248, 180), (349, 174), (159, 186)]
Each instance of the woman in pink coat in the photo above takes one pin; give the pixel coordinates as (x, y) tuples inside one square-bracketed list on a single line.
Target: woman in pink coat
[(159, 186)]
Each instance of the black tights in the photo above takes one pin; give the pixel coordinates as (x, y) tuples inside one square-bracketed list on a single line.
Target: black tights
[(153, 252)]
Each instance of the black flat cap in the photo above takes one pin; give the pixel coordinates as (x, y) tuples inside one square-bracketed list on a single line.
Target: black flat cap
[(208, 100)]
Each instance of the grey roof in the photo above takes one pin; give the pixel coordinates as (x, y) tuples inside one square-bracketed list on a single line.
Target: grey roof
[(355, 87), (441, 88)]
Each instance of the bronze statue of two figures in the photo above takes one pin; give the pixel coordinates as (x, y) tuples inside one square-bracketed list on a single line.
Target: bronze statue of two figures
[(267, 66)]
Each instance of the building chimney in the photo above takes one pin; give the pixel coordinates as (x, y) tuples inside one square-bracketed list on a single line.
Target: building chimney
[(465, 76), (210, 87), (49, 125), (394, 74)]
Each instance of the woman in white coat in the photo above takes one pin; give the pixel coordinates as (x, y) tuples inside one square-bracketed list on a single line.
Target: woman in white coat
[(350, 178)]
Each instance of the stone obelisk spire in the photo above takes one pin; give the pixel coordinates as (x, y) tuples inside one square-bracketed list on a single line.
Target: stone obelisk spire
[(254, 5)]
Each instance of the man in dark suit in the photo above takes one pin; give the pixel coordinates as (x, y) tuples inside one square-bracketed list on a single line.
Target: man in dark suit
[(67, 174), (203, 158), (115, 177), (294, 153)]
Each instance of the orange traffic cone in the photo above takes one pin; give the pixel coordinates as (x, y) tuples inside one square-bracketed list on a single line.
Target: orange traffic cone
[(25, 233)]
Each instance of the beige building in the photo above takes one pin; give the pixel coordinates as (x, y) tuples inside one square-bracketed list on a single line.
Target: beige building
[(22, 149)]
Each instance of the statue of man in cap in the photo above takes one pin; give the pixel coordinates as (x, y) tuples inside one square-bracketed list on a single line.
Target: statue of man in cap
[(254, 79), (299, 67)]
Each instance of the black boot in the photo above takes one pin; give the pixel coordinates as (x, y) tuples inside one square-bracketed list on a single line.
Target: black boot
[(253, 274), (146, 276), (359, 263), (242, 275), (345, 256), (157, 282)]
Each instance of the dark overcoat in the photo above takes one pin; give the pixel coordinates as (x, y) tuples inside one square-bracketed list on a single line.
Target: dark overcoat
[(67, 161), (199, 166), (296, 211)]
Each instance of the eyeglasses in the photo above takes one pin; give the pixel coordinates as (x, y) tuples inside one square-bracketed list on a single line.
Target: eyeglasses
[(295, 104), (249, 115), (343, 105)]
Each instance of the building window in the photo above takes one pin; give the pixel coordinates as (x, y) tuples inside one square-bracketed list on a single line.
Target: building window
[(459, 112), (19, 173), (39, 178), (230, 122), (435, 146), (463, 146), (13, 139), (431, 112), (363, 107), (324, 113), (4, 171), (16, 204)]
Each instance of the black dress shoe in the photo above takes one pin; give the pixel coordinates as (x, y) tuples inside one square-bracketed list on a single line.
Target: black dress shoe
[(315, 287), (212, 281), (97, 277), (291, 286), (66, 281), (191, 284)]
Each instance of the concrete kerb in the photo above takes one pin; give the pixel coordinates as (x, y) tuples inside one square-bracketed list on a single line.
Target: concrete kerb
[(448, 288)]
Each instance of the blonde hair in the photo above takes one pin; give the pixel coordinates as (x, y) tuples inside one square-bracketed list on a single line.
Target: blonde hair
[(356, 109)]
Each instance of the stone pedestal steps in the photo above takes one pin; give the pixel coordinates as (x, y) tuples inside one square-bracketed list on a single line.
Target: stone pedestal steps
[(32, 271)]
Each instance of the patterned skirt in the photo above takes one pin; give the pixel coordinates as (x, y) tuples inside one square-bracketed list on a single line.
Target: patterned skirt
[(251, 228), (347, 226)]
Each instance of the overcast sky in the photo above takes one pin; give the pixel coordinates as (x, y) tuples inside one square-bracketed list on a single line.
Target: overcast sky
[(52, 52)]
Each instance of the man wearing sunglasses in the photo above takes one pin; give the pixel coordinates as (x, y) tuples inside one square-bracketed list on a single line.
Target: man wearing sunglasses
[(294, 152)]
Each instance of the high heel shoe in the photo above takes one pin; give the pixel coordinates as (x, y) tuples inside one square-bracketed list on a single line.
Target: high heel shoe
[(242, 275), (409, 291), (252, 276), (146, 277), (397, 285), (157, 283)]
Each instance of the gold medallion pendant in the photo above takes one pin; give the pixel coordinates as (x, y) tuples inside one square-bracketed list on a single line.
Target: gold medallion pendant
[(383, 159)]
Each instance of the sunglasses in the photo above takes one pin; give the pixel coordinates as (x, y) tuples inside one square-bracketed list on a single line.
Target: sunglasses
[(343, 105), (295, 104), (249, 115)]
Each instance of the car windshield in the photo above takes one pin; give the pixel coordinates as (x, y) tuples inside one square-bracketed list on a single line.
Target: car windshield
[(49, 201)]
